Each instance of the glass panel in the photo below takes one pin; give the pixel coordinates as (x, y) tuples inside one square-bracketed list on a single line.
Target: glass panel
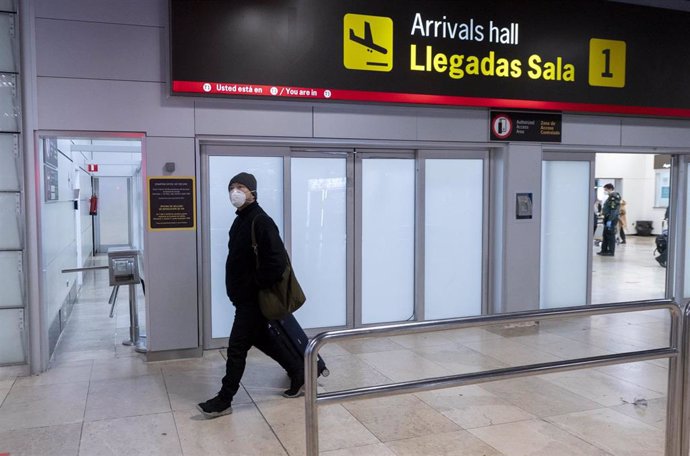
[(453, 238), (10, 238), (9, 109), (12, 345), (11, 279), (319, 239), (113, 210), (388, 217), (269, 176), (9, 57), (686, 281), (565, 224), (8, 5), (9, 163)]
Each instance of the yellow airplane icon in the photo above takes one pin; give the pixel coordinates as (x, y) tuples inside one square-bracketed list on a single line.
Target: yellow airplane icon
[(372, 48)]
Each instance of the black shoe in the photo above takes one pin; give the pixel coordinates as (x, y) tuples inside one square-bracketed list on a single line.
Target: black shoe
[(605, 253), (296, 388), (213, 408)]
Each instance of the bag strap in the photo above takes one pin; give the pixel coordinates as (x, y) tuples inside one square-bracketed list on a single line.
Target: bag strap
[(255, 246)]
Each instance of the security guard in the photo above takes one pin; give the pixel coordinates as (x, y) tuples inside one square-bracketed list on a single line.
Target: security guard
[(611, 212)]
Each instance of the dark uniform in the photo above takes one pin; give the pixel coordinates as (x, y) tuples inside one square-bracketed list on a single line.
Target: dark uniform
[(611, 213), (243, 281)]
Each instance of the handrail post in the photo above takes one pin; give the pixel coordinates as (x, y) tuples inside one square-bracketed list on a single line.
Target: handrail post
[(674, 392), (311, 413), (685, 377)]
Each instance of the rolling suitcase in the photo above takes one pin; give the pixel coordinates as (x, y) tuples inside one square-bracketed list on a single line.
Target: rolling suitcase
[(291, 336)]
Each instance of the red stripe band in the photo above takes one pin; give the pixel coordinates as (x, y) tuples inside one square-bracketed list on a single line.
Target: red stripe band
[(252, 90)]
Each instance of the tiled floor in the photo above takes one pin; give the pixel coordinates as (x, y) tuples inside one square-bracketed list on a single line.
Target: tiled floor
[(100, 398)]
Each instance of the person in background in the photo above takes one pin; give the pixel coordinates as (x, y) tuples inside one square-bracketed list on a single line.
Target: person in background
[(611, 212), (242, 281), (622, 222)]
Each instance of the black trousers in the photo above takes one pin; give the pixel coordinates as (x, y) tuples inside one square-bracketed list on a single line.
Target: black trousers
[(608, 243), (250, 328)]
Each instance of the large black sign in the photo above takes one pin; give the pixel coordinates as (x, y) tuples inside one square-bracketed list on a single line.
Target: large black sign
[(172, 203), (590, 56)]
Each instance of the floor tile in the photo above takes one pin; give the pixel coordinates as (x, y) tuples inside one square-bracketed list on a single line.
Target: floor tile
[(614, 432), (244, 432), (378, 449), (400, 417), (337, 427), (645, 374), (111, 369), (535, 438), (601, 388), (403, 365), (349, 372), (44, 405), (132, 396), (60, 374), (539, 397), (473, 406), (652, 411), (448, 444), (458, 359), (60, 440), (510, 352), (188, 388), (370, 345), (150, 435)]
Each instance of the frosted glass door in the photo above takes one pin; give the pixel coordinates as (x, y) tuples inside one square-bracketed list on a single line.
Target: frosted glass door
[(319, 239), (12, 345), (11, 279), (269, 176), (387, 244), (113, 210), (9, 57), (565, 227), (9, 163), (9, 109), (10, 235), (453, 227)]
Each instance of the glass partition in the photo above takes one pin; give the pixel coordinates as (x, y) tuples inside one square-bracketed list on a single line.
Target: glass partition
[(387, 242), (319, 238), (9, 105), (9, 163), (12, 348), (11, 279), (10, 213), (9, 55), (565, 225), (269, 175), (453, 227)]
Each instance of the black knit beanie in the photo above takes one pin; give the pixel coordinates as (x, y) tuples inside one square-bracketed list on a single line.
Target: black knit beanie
[(246, 179)]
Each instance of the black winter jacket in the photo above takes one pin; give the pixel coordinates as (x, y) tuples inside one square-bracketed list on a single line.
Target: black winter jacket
[(242, 279)]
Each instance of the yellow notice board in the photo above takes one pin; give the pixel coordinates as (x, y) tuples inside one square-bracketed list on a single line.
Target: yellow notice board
[(172, 203)]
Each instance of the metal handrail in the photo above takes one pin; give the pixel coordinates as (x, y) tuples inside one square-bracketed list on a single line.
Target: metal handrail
[(684, 435), (674, 408)]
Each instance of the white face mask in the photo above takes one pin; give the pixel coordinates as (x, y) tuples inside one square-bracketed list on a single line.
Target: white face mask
[(237, 198)]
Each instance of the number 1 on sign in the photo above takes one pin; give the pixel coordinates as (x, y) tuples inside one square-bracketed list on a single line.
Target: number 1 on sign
[(607, 63)]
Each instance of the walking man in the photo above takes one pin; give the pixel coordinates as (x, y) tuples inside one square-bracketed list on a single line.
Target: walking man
[(242, 281)]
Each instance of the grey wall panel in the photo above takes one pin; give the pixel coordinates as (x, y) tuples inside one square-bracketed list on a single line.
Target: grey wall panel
[(365, 122), (171, 263), (141, 12), (222, 118), (656, 132), (97, 50), (522, 237), (453, 125), (591, 130), (88, 104)]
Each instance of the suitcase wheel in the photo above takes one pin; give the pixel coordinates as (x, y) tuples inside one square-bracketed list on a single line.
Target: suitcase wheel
[(325, 373)]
